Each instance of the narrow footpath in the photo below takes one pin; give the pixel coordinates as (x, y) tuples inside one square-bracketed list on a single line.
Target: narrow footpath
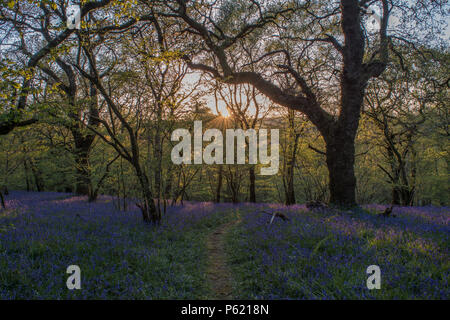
[(219, 275)]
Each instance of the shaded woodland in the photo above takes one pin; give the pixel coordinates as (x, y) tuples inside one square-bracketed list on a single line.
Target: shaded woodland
[(358, 89)]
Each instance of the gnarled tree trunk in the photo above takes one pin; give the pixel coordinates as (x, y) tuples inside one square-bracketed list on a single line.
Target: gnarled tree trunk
[(83, 144), (342, 181), (150, 213), (252, 187)]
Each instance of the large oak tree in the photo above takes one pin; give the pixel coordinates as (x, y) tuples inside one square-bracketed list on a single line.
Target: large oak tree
[(303, 29)]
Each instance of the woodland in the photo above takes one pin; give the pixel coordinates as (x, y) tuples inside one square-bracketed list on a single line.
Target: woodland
[(358, 90)]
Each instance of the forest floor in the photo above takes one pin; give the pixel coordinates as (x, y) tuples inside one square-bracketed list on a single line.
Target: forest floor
[(218, 272), (120, 257), (205, 250)]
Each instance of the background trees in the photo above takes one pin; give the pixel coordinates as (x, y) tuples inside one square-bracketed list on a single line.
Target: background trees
[(401, 106)]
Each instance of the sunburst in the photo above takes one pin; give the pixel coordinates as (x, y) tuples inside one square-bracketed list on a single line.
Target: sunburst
[(222, 121)]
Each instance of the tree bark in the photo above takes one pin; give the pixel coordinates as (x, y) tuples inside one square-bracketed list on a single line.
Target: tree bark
[(83, 173), (158, 153), (37, 176), (288, 178), (149, 211), (83, 140), (252, 178), (27, 180), (342, 181), (2, 200), (290, 193), (219, 184), (340, 140)]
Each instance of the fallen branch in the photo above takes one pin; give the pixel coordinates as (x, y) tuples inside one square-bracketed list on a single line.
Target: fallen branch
[(276, 214)]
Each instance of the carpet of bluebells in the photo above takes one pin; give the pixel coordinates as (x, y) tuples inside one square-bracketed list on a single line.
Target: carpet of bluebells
[(325, 254), (120, 257), (316, 255)]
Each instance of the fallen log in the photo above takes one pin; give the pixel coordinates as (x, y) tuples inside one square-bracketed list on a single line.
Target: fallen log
[(280, 215)]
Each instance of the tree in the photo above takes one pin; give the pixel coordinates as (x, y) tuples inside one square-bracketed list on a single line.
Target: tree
[(20, 14), (129, 151), (289, 150), (355, 57), (248, 111), (164, 87), (399, 105)]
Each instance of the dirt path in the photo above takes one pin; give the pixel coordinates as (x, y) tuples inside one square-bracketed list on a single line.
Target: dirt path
[(219, 275)]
